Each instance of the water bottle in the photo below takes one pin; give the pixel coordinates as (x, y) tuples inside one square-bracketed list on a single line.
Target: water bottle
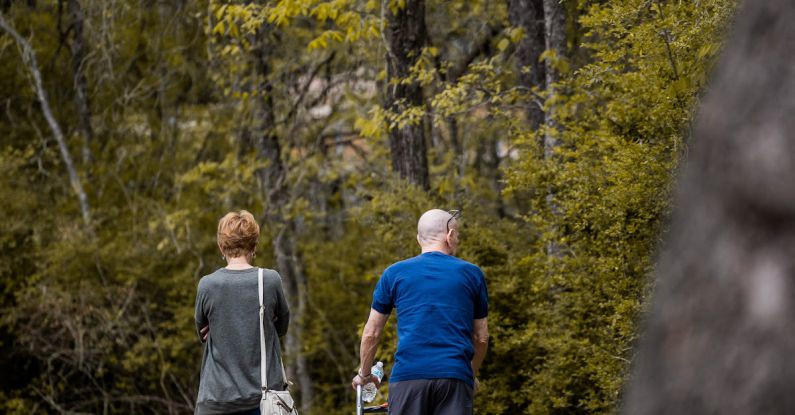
[(369, 390)]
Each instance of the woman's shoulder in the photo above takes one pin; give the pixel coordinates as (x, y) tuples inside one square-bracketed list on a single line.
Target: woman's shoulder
[(222, 277), (211, 279), (271, 276)]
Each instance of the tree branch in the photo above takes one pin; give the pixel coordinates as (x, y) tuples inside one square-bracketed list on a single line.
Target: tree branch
[(29, 57)]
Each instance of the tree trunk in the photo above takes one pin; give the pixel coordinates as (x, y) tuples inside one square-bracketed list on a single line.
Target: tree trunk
[(495, 173), (719, 338), (458, 148), (555, 39), (81, 94), (478, 48), (405, 36), (529, 16), (273, 179)]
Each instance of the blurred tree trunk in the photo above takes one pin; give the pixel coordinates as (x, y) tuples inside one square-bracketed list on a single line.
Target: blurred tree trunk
[(529, 16), (273, 179), (405, 36), (456, 142), (720, 338), (555, 38), (81, 94), (479, 47), (494, 164)]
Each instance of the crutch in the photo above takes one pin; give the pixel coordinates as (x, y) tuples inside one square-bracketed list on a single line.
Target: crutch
[(361, 409)]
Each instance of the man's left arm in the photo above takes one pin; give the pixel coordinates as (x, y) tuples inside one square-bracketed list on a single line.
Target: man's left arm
[(480, 340), (480, 326)]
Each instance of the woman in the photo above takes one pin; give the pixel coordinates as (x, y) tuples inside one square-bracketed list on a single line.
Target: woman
[(227, 318)]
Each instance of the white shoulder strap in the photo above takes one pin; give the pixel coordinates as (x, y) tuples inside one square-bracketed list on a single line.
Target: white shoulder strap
[(263, 357)]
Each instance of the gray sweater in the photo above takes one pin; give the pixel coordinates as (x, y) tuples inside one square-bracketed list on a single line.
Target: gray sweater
[(227, 300)]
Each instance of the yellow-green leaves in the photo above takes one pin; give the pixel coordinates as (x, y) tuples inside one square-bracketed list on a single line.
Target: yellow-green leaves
[(345, 20), (232, 19), (515, 34), (371, 127), (283, 11), (395, 5), (322, 41)]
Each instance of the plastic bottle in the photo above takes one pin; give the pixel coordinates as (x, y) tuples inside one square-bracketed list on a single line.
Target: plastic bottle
[(369, 390)]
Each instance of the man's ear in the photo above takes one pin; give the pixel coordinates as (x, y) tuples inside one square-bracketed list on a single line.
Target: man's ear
[(418, 240)]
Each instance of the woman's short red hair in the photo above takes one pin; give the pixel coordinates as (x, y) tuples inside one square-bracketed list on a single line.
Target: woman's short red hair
[(238, 234)]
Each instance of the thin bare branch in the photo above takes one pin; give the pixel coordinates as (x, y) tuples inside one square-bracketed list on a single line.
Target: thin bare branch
[(29, 57)]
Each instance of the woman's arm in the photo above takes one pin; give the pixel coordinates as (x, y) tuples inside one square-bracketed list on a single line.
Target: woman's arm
[(202, 323), (281, 310)]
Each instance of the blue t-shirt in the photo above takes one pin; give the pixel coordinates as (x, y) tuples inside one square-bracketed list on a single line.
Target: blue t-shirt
[(437, 297)]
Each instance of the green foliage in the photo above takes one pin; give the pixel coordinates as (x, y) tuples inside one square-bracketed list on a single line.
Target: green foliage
[(103, 322), (623, 123)]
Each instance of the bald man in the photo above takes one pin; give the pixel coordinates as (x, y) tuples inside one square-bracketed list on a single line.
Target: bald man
[(442, 306)]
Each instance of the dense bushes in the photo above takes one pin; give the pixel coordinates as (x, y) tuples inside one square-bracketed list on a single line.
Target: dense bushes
[(100, 321)]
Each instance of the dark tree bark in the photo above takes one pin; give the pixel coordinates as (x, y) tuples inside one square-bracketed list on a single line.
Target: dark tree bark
[(81, 94), (273, 179), (406, 34), (720, 338), (529, 16)]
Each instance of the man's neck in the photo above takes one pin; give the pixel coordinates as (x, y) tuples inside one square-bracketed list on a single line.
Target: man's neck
[(436, 248)]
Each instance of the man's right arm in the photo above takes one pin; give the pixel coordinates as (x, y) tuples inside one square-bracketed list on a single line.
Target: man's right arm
[(379, 313), (370, 337)]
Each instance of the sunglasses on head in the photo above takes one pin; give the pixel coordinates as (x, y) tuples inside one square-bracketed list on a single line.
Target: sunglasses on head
[(454, 214)]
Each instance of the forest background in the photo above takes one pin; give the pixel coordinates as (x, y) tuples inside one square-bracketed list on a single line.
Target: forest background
[(130, 126)]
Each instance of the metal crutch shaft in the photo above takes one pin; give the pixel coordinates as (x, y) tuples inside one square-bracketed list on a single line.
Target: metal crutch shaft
[(359, 408)]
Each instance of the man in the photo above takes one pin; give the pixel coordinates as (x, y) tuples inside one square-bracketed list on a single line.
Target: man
[(442, 304)]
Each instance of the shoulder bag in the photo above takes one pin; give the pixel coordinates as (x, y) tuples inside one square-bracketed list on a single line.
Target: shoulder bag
[(273, 402)]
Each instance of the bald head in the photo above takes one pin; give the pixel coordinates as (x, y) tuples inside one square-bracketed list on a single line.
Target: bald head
[(432, 226)]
